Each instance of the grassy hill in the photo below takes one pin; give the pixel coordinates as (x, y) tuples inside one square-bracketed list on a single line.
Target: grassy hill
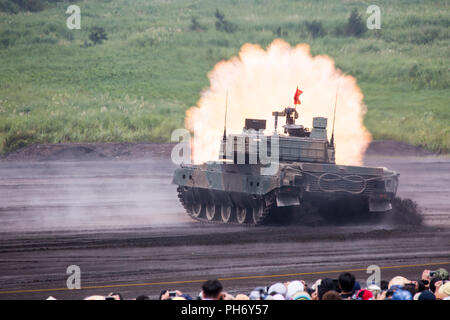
[(57, 87)]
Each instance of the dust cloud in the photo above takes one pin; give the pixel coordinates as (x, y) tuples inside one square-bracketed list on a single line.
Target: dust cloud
[(90, 194)]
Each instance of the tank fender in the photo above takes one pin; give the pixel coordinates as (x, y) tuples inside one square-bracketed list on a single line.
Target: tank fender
[(286, 199), (379, 205)]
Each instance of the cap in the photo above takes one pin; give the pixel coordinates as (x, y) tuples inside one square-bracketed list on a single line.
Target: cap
[(277, 288), (441, 273), (294, 287), (445, 289)]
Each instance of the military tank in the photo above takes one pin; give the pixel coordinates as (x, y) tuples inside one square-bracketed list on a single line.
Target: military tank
[(258, 177)]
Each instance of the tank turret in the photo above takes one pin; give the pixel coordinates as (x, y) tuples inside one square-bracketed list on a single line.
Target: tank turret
[(296, 144)]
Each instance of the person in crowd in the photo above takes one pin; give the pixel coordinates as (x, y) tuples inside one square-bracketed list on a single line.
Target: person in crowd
[(442, 289), (331, 295), (401, 294), (277, 288), (432, 285), (212, 290), (293, 287), (326, 285), (346, 284), (114, 296), (426, 295), (363, 294), (170, 295), (302, 296)]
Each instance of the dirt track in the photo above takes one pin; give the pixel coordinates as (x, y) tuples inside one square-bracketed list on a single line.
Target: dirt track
[(120, 221)]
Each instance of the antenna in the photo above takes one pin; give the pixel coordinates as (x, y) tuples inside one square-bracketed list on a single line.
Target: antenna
[(224, 139), (334, 119), (225, 120)]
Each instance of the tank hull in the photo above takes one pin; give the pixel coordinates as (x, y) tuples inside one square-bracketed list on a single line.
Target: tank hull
[(221, 192)]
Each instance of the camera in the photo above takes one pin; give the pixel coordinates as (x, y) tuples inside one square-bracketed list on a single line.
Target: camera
[(172, 293)]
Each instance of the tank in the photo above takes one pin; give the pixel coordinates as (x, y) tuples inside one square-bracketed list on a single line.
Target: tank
[(260, 178)]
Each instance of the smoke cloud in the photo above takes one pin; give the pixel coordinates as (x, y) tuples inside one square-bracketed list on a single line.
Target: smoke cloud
[(260, 81)]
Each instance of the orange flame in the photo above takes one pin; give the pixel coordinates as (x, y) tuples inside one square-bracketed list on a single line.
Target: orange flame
[(260, 81)]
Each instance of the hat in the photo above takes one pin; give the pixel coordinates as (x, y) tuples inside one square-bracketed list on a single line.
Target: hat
[(227, 296), (301, 296), (316, 284), (95, 297), (445, 289), (277, 288), (364, 295), (294, 287), (401, 294), (441, 273), (399, 280), (278, 297), (255, 295), (375, 289), (258, 293), (427, 295)]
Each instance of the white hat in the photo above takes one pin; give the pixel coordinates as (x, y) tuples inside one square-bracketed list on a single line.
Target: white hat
[(95, 297), (294, 287), (278, 297), (316, 284), (255, 295), (258, 293), (374, 289), (278, 288)]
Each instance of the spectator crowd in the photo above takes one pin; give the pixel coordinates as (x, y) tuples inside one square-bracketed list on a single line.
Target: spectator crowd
[(432, 285)]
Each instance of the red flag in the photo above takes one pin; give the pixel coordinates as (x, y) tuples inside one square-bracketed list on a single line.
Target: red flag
[(298, 92)]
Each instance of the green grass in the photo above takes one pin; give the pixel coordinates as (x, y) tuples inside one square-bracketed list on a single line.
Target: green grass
[(137, 85)]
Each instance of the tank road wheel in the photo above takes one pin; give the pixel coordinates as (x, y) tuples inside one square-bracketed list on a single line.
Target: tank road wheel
[(258, 213), (227, 213), (198, 210), (241, 215), (212, 212)]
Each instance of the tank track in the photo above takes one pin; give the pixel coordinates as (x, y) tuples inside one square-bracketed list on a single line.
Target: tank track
[(269, 202)]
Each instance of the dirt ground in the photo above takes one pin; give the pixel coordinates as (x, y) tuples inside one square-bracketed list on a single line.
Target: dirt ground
[(111, 209)]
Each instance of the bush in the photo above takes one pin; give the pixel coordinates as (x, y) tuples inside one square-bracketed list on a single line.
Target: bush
[(8, 38), (355, 27), (15, 141), (31, 5), (224, 25), (9, 6), (98, 35), (315, 28), (196, 26)]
